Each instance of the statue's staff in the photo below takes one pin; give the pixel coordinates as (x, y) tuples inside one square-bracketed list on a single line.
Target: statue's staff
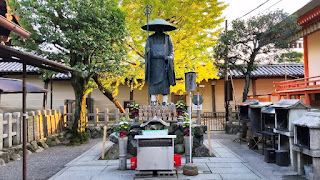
[(147, 11)]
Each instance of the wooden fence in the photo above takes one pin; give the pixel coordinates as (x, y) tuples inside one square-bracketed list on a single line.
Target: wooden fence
[(40, 124), (43, 123), (99, 118)]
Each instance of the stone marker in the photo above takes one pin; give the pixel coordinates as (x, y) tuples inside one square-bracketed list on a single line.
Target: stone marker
[(190, 169), (2, 163), (39, 149), (5, 156), (15, 157)]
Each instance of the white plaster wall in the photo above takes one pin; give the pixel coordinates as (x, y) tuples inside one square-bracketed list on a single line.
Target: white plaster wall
[(63, 90), (314, 54), (13, 102)]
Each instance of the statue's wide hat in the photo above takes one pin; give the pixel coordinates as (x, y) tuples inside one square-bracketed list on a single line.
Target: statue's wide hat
[(159, 24)]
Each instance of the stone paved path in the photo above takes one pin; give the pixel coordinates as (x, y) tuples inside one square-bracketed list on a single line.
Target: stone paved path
[(226, 165)]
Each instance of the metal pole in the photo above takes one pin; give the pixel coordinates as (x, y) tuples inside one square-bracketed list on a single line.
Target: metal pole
[(51, 95), (198, 108), (147, 11), (226, 77), (190, 124), (24, 123)]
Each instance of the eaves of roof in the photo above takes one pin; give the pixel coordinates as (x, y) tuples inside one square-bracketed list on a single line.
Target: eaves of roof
[(15, 68), (272, 71)]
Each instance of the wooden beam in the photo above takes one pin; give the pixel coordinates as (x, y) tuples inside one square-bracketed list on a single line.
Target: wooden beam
[(14, 55), (305, 56)]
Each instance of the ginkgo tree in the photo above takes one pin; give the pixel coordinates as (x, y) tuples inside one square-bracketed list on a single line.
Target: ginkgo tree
[(198, 25)]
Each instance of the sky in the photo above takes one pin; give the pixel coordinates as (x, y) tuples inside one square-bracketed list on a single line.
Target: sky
[(238, 8)]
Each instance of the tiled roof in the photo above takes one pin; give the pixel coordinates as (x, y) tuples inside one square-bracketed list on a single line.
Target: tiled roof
[(62, 76), (275, 70), (16, 68)]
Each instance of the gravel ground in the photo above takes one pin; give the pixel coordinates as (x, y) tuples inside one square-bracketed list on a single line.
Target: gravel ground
[(45, 164), (256, 160)]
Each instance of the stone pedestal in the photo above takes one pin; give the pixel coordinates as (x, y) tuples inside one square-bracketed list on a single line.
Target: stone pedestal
[(187, 148), (190, 169), (123, 141)]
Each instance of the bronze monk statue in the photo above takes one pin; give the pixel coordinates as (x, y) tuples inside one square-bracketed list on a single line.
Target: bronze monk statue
[(159, 71)]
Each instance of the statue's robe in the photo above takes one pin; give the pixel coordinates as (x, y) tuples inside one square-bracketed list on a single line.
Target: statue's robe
[(159, 71)]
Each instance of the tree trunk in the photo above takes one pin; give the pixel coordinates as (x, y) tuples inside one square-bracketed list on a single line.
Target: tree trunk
[(80, 86), (108, 94), (246, 87), (247, 81)]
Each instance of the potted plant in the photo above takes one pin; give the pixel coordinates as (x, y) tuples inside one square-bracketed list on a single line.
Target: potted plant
[(123, 129)]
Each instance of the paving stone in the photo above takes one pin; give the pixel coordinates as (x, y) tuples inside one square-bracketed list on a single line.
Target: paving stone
[(70, 173), (250, 176), (221, 150), (200, 177), (226, 165), (86, 158), (203, 168), (201, 160), (114, 177), (72, 177), (220, 159), (227, 154), (114, 170), (87, 168), (242, 170), (86, 163), (213, 143)]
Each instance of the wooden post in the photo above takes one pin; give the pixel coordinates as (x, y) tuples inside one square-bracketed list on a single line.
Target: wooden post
[(64, 116), (56, 120), (106, 116), (209, 141), (40, 122), (1, 131), (104, 141), (117, 116), (34, 125), (44, 122), (307, 98), (7, 130), (17, 128), (96, 117), (127, 113), (59, 121), (49, 125)]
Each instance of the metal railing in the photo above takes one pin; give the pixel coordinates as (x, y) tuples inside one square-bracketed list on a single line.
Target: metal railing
[(215, 121)]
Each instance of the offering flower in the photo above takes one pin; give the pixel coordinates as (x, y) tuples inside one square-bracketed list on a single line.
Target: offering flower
[(134, 110), (180, 106), (123, 128)]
